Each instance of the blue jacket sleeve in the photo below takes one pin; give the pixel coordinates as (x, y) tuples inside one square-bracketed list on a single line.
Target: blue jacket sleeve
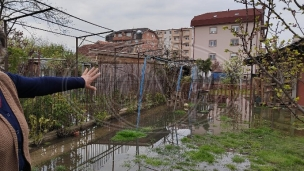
[(29, 87)]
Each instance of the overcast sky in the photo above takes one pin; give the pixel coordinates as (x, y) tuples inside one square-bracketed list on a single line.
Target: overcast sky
[(120, 14)]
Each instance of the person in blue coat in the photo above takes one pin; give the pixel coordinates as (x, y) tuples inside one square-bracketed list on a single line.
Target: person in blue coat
[(14, 131)]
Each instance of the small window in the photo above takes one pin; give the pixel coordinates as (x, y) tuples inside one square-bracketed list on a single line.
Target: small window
[(186, 44), (176, 38), (213, 30), (232, 55), (235, 28), (186, 37), (186, 52), (234, 42), (212, 43), (165, 32), (212, 56), (119, 35)]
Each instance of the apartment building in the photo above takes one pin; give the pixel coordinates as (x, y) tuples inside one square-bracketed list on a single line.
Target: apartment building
[(177, 41), (211, 40), (136, 35)]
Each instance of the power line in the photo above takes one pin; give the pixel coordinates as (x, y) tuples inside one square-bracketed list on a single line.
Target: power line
[(72, 15), (54, 22), (49, 31), (44, 30)]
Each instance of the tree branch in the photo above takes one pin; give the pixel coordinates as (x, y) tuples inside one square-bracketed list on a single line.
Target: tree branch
[(279, 17), (298, 5)]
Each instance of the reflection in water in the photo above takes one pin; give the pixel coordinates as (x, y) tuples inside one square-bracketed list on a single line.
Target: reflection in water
[(94, 151), (278, 118)]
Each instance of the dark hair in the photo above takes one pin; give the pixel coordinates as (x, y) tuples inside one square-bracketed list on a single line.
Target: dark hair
[(2, 43), (2, 39)]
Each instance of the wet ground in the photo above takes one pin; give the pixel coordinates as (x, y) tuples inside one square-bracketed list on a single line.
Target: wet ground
[(93, 150)]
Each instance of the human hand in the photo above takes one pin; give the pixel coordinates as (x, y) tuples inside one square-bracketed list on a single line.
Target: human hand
[(89, 76)]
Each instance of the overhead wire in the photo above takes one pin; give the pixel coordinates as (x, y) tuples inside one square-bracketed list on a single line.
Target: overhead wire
[(24, 25), (54, 22), (73, 15)]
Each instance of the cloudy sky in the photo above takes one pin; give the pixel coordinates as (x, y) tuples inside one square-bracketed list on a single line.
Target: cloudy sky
[(120, 14)]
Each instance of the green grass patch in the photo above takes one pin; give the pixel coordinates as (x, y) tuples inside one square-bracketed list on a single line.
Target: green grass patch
[(179, 112), (231, 166), (263, 147), (128, 135), (146, 129), (238, 159), (206, 153), (155, 161)]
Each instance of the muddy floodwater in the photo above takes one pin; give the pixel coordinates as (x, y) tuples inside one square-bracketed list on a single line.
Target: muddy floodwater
[(93, 149)]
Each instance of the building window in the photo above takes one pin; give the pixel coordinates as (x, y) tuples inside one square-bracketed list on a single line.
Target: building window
[(176, 32), (235, 28), (234, 42), (212, 43), (212, 56), (213, 30), (232, 55), (165, 32), (152, 35), (186, 52), (176, 38), (186, 44), (129, 34), (186, 37), (119, 35)]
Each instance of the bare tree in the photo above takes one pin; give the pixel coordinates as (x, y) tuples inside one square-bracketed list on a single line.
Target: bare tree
[(10, 9)]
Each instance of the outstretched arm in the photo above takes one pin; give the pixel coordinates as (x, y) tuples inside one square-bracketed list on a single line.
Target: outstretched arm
[(39, 86)]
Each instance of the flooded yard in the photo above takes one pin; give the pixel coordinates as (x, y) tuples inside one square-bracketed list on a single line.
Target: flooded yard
[(166, 147)]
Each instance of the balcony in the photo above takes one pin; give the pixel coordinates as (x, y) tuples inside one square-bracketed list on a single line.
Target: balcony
[(186, 40), (176, 32), (176, 41), (186, 47), (186, 33)]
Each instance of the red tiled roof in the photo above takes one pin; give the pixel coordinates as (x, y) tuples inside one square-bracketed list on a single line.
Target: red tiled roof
[(226, 17)]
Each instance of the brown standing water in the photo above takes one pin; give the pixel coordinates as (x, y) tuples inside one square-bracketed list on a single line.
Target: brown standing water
[(93, 150)]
